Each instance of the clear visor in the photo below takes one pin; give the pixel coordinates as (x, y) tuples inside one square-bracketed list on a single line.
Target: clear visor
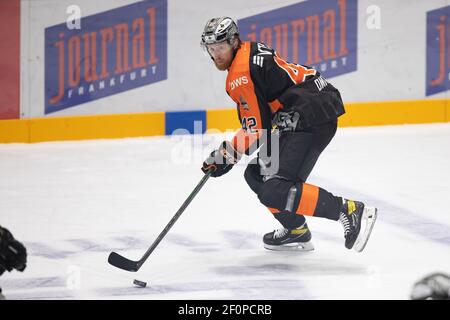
[(216, 49)]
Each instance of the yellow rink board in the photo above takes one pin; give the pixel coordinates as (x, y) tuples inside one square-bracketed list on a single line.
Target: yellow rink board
[(153, 124)]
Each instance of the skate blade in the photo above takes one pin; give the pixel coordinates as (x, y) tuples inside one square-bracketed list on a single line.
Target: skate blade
[(369, 217), (304, 247)]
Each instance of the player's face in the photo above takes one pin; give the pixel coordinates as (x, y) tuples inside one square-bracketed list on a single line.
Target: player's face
[(222, 54)]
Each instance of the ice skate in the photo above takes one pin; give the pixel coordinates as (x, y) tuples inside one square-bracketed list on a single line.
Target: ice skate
[(358, 221), (289, 240)]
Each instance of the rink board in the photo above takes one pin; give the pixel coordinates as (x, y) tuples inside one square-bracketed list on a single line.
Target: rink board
[(189, 122)]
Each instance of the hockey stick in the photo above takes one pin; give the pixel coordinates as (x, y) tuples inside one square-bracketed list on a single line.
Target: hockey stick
[(121, 262)]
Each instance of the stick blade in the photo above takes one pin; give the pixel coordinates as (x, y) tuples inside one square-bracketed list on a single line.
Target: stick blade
[(123, 263)]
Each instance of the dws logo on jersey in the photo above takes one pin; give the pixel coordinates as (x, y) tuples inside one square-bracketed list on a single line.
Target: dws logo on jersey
[(320, 33), (438, 51), (238, 82), (114, 51)]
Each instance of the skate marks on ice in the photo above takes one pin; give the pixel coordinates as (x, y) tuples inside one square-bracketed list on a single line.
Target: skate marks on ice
[(191, 244), (302, 266), (236, 289), (45, 295), (43, 250), (36, 288), (55, 288), (41, 282), (242, 240), (80, 246), (233, 239), (248, 274), (264, 275)]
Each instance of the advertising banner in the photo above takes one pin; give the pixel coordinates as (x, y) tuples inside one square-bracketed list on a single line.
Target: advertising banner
[(438, 51), (112, 52), (320, 33)]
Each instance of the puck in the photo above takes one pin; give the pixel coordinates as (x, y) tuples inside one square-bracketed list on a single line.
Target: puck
[(140, 283)]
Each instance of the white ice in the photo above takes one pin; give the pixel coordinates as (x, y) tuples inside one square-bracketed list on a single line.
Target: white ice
[(72, 203)]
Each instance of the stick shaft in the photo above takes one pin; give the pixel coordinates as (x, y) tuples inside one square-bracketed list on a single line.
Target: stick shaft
[(175, 218)]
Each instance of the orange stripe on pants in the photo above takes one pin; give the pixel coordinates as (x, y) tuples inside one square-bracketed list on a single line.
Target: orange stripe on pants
[(273, 210), (308, 201)]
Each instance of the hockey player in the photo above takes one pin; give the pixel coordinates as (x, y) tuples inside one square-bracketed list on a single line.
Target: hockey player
[(304, 108), (13, 254)]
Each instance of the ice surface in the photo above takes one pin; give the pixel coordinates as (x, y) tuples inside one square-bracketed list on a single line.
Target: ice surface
[(72, 203)]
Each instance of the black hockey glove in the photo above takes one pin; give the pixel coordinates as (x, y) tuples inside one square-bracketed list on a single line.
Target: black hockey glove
[(13, 254), (221, 160), (435, 286)]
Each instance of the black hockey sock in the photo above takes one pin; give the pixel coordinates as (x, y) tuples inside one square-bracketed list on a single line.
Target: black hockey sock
[(328, 206), (289, 220), (317, 202)]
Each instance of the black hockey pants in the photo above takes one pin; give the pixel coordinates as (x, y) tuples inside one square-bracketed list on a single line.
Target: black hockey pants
[(286, 193)]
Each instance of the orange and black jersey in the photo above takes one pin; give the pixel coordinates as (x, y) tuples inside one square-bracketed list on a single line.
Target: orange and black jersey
[(256, 80)]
